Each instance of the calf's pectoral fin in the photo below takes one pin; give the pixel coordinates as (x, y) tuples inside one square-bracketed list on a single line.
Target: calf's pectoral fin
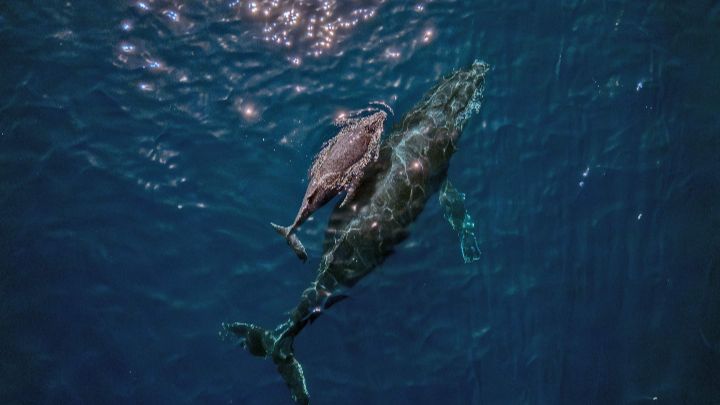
[(348, 196), (351, 190), (453, 205)]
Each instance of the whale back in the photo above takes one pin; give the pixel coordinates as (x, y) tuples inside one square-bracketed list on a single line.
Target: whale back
[(412, 164)]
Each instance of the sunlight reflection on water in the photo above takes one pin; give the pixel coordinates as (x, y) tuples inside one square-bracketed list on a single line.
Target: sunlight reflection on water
[(194, 54)]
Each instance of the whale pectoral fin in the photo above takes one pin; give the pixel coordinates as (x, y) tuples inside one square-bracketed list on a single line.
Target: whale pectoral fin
[(355, 175), (453, 204), (348, 196), (352, 188), (469, 245)]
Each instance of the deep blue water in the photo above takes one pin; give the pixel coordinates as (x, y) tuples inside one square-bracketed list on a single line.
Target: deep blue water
[(146, 146)]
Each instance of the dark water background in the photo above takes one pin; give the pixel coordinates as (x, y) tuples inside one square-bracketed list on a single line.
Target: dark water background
[(145, 147)]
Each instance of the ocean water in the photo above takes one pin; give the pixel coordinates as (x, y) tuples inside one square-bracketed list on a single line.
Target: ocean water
[(146, 145)]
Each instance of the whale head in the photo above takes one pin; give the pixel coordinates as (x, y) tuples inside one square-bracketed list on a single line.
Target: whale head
[(458, 96), (374, 122), (450, 103)]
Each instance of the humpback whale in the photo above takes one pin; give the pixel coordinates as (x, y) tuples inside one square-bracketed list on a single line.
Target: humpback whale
[(411, 167), (340, 165)]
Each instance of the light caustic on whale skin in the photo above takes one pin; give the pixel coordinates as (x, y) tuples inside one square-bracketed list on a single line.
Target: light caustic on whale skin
[(411, 166)]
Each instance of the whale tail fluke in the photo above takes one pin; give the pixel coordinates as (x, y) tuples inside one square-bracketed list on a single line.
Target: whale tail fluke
[(292, 240), (263, 343), (291, 371)]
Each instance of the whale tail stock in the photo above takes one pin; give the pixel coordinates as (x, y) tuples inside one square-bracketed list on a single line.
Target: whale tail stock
[(292, 240), (276, 346)]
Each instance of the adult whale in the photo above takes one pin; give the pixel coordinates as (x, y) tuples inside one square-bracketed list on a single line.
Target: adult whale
[(413, 163)]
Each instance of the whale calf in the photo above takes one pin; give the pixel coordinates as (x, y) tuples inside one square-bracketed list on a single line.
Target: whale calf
[(411, 167), (339, 166)]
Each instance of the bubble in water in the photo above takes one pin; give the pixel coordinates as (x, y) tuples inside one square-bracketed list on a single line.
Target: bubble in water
[(127, 47), (127, 25), (428, 35), (247, 110), (153, 64), (172, 15), (146, 86), (142, 6)]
